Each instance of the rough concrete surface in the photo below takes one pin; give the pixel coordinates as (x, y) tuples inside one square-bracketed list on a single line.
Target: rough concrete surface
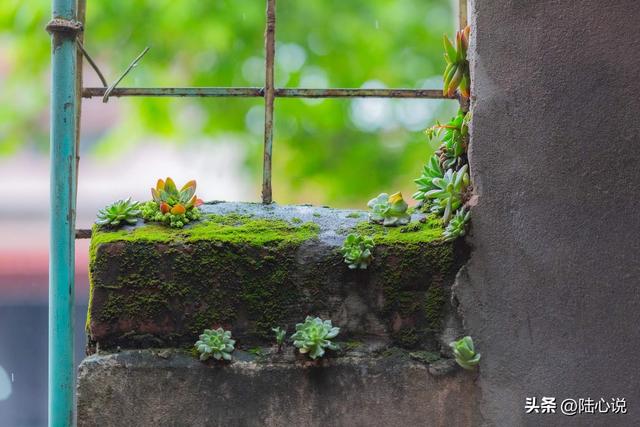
[(551, 291), (165, 388)]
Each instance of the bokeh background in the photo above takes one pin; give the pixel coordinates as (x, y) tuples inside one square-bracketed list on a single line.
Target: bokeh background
[(332, 152)]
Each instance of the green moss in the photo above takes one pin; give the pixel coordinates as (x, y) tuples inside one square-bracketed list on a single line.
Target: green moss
[(415, 232), (237, 269), (210, 272), (425, 356), (256, 351), (434, 305), (395, 353), (232, 228), (406, 337), (346, 346), (412, 227), (296, 220), (354, 215)]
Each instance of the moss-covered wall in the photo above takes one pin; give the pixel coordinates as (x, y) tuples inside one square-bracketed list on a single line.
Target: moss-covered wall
[(152, 286)]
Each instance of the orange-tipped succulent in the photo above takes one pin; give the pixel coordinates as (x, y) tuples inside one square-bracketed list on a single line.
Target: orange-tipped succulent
[(456, 75), (172, 206), (170, 199)]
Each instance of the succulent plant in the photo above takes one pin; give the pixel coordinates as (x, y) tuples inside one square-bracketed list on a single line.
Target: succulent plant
[(389, 210), (457, 227), (172, 206), (454, 139), (216, 343), (464, 353), (280, 336), (456, 75), (431, 171), (119, 213), (356, 251), (172, 200), (314, 336), (447, 197)]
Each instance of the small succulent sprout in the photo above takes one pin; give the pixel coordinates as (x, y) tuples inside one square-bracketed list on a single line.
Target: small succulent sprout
[(447, 197), (453, 136), (457, 227), (456, 75), (389, 210), (464, 353), (216, 343), (431, 171), (356, 250), (281, 334), (119, 213), (314, 336), (172, 206)]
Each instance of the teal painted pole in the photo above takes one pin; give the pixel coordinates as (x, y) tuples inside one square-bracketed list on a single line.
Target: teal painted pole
[(62, 204)]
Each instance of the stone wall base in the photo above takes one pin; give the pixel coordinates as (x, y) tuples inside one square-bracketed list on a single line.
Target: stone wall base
[(172, 388)]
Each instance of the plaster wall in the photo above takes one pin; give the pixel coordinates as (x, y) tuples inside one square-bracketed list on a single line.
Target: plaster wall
[(550, 293)]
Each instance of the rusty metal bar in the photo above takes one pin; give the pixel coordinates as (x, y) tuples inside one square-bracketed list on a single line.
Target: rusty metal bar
[(92, 63), (83, 233), (81, 6), (359, 93), (269, 98), (462, 14), (134, 63), (257, 92)]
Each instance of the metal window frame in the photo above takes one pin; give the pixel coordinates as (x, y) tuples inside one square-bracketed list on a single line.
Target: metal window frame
[(67, 91)]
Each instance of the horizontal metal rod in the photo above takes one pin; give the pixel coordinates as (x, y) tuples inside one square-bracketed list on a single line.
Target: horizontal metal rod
[(91, 92), (359, 93), (83, 233), (258, 92)]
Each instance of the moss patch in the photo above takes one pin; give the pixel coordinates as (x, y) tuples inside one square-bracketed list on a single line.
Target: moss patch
[(434, 305), (230, 228), (156, 286), (415, 232), (425, 356)]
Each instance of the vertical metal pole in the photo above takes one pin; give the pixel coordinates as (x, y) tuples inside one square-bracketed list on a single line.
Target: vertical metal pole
[(80, 17), (269, 96), (462, 14), (62, 210)]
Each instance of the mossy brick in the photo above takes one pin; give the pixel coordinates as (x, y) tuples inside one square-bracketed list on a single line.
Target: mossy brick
[(249, 267)]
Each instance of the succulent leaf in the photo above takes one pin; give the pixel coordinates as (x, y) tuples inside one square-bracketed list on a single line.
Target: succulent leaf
[(464, 353), (389, 211), (170, 186), (216, 343), (314, 336), (280, 335), (178, 209), (119, 213), (456, 75), (356, 251), (173, 207), (449, 191), (431, 171), (458, 224)]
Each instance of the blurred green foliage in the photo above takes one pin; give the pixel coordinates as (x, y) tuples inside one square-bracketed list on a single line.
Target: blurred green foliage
[(340, 152)]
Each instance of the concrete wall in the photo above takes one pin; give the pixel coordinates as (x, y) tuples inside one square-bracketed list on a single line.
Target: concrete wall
[(146, 388), (551, 291)]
